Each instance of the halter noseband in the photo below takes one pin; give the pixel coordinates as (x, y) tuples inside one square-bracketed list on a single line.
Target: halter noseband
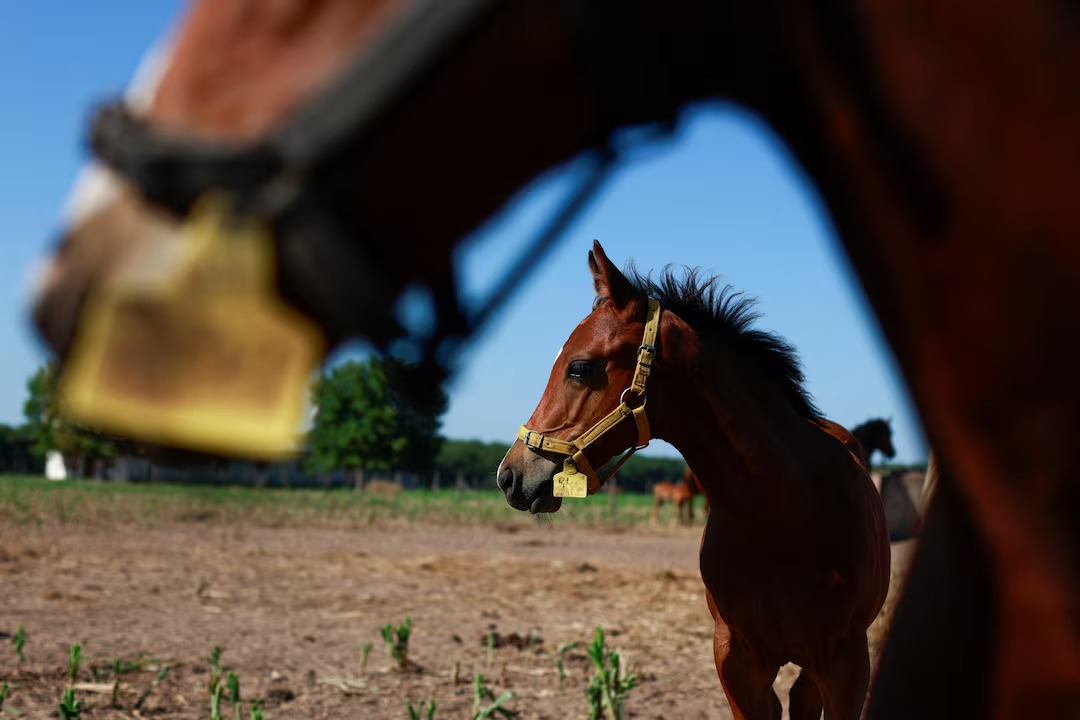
[(577, 471)]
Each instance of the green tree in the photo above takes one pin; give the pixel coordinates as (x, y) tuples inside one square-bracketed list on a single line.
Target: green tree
[(420, 406), (15, 454), (42, 408), (8, 448), (49, 428), (370, 416), (470, 461)]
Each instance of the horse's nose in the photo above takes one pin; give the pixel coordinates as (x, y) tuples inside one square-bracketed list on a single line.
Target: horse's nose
[(53, 306), (505, 481)]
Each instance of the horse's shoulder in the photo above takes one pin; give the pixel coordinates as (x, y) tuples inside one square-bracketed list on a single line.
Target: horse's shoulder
[(845, 437)]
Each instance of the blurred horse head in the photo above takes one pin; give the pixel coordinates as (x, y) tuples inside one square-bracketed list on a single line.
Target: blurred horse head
[(228, 78)]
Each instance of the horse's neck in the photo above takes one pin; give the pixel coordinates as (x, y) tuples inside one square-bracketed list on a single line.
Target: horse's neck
[(688, 484), (748, 448)]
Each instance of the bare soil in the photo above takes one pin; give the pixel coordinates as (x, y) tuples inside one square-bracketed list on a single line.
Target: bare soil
[(292, 607)]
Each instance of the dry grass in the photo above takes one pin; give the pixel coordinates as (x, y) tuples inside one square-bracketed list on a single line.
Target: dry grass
[(34, 501)]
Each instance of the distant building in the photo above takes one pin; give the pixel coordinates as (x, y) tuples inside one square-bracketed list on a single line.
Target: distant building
[(55, 469)]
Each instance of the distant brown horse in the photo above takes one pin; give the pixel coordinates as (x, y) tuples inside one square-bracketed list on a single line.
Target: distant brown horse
[(680, 494), (795, 554), (875, 435)]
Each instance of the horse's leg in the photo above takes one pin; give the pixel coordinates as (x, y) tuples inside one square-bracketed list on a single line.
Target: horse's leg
[(844, 682), (656, 510), (804, 700), (746, 677)]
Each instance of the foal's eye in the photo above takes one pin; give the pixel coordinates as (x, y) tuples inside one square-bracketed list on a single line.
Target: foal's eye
[(580, 370)]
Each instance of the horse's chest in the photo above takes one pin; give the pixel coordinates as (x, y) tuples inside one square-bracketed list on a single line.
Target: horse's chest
[(771, 595)]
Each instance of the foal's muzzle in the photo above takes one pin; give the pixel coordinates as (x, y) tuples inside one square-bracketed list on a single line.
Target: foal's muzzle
[(535, 499)]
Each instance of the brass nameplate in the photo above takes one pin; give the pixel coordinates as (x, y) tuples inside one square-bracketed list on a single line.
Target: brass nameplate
[(203, 356), (574, 485)]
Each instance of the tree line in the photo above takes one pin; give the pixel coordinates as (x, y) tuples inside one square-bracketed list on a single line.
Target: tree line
[(370, 417)]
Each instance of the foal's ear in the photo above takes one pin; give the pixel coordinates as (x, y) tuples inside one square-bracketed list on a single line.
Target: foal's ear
[(608, 281)]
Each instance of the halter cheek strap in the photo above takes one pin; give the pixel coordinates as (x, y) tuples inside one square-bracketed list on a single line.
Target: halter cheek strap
[(577, 471)]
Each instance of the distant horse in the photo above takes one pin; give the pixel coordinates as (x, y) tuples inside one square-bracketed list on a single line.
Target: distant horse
[(681, 495), (795, 553), (875, 435), (940, 137)]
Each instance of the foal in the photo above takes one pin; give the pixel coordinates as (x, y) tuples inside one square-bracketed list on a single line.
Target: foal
[(680, 494), (795, 553)]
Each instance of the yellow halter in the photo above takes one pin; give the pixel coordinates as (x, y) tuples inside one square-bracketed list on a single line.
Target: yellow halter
[(578, 479)]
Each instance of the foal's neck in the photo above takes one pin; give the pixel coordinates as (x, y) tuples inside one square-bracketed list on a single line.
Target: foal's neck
[(738, 432)]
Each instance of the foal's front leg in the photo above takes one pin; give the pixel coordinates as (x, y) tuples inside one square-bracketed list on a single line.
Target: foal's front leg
[(804, 700), (844, 682), (747, 677)]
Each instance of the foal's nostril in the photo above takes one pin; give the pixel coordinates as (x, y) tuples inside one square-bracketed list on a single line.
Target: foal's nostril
[(505, 481)]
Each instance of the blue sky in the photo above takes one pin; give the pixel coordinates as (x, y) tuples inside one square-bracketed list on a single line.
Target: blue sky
[(724, 195)]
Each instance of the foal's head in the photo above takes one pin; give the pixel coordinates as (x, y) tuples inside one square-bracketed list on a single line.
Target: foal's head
[(591, 377), (689, 337)]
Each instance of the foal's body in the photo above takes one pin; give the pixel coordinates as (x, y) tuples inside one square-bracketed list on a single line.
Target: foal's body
[(795, 553), (777, 559)]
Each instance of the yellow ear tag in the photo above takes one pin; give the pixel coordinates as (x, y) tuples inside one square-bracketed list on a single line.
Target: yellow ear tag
[(570, 482), (204, 356)]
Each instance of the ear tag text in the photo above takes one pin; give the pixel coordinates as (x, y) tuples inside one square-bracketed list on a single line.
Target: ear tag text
[(570, 482)]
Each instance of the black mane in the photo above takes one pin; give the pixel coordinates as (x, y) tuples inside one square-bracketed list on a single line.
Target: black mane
[(721, 311)]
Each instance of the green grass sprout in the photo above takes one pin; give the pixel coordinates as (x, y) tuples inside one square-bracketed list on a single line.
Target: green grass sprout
[(396, 640), (69, 708), (608, 686)]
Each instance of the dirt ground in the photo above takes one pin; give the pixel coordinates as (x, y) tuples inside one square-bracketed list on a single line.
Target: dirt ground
[(292, 608)]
